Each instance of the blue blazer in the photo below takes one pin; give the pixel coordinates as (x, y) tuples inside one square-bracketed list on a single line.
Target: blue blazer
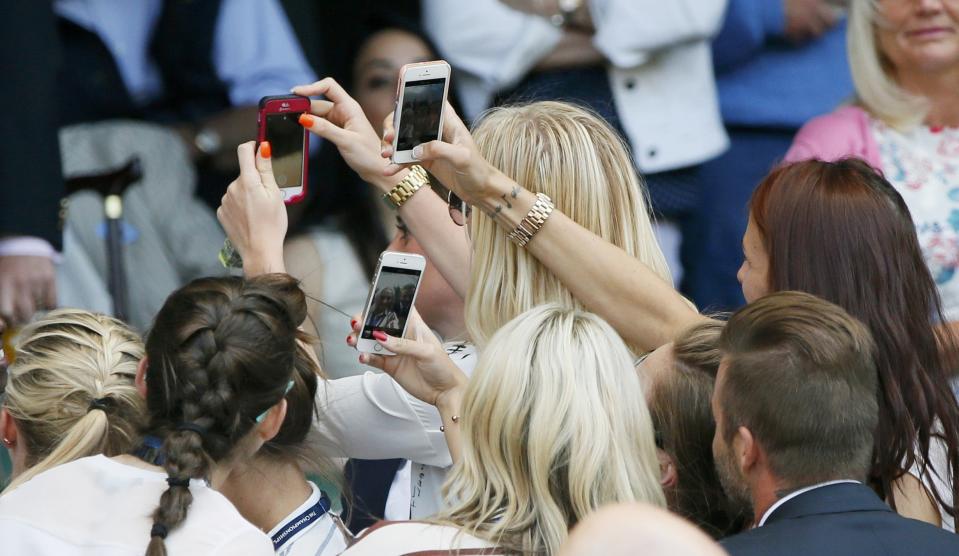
[(841, 519)]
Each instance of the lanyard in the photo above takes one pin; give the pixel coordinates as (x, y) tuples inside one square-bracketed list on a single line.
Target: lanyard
[(305, 519)]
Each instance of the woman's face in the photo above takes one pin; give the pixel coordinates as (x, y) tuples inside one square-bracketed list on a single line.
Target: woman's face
[(377, 70), (753, 275), (384, 299), (920, 34)]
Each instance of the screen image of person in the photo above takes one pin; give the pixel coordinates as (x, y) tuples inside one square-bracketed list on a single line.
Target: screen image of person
[(420, 116), (285, 135), (392, 302)]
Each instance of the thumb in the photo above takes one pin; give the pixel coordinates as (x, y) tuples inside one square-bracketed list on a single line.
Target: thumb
[(264, 165), (401, 346), (438, 150)]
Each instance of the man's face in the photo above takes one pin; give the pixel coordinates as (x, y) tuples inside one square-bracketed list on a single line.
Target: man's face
[(727, 464)]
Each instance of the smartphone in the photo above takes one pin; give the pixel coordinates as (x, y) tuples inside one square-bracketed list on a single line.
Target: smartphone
[(278, 123), (420, 96), (391, 298)]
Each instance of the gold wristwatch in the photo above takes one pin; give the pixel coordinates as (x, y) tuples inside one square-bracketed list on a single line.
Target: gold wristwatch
[(402, 192)]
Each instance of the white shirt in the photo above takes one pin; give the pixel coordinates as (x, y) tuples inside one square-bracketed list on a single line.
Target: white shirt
[(796, 493), (413, 538), (99, 506), (660, 66), (309, 530), (941, 478), (371, 417)]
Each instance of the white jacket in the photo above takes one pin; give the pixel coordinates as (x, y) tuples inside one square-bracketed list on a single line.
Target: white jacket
[(660, 67)]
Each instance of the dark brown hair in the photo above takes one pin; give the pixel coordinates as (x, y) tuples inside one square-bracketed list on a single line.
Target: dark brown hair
[(221, 352), (679, 404), (841, 231), (800, 374)]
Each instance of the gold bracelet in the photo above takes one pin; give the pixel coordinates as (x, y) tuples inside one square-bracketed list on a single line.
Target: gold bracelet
[(535, 218), (402, 192)]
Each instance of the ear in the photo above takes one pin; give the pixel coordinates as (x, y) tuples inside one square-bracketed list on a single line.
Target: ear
[(745, 449), (8, 429), (270, 426), (141, 379), (667, 470)]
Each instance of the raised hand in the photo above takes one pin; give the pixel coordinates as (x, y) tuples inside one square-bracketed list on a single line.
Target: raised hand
[(253, 214), (420, 364), (455, 161), (340, 120)]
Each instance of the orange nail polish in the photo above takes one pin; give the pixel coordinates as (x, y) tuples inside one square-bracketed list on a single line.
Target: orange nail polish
[(306, 120), (265, 150)]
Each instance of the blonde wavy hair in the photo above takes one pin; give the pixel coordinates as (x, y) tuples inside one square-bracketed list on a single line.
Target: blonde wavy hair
[(577, 159), (554, 426), (876, 87), (64, 361)]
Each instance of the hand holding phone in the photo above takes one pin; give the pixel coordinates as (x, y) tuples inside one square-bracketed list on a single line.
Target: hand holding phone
[(420, 98), (278, 124), (391, 299)]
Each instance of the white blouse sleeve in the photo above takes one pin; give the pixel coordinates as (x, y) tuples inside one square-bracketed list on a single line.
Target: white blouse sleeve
[(371, 417), (629, 31)]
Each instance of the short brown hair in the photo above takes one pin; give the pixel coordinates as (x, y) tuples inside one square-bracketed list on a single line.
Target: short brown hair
[(800, 374)]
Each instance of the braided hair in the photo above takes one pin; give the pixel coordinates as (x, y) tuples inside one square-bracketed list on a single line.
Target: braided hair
[(220, 353)]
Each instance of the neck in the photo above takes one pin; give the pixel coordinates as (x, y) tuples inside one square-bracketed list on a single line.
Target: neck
[(939, 89), (765, 490), (283, 480)]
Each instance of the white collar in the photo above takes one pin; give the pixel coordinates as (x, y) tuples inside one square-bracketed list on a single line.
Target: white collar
[(796, 493), (310, 501)]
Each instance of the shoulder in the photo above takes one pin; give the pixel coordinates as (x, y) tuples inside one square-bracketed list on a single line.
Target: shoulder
[(413, 537), (840, 134)]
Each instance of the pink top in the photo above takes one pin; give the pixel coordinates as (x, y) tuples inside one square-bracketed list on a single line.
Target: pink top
[(844, 133)]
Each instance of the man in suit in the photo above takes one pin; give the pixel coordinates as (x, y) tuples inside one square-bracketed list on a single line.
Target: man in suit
[(796, 412)]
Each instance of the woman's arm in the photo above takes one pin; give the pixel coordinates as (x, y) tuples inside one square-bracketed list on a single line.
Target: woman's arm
[(641, 306), (646, 311), (340, 120)]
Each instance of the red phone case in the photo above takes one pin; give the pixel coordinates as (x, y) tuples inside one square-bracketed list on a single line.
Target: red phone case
[(279, 105)]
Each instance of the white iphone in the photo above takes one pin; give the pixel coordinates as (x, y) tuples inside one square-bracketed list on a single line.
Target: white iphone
[(391, 299), (420, 97)]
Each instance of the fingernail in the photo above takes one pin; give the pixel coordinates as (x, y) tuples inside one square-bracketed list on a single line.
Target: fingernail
[(265, 149), (348, 338), (306, 120), (417, 151), (353, 323), (363, 358), (379, 336)]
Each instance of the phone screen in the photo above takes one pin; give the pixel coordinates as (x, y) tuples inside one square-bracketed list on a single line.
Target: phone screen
[(420, 113), (393, 296), (285, 135)]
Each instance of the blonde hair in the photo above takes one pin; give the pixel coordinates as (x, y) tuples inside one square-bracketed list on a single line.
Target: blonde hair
[(554, 426), (63, 362), (876, 88), (577, 159)]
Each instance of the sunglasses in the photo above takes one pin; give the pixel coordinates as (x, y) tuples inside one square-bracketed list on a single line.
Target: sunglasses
[(459, 210)]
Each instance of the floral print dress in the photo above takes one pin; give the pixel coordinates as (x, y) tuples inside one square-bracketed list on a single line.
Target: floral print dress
[(923, 165)]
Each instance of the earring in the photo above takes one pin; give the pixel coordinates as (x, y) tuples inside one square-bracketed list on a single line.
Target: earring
[(7, 442)]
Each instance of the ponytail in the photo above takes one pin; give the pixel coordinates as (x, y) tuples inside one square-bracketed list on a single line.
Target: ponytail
[(71, 390)]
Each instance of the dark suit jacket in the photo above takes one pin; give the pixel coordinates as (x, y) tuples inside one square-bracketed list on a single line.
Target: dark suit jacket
[(842, 519)]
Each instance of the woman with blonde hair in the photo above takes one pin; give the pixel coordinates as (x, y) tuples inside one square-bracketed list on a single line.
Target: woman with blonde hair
[(552, 427), (596, 183), (70, 392), (904, 121)]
